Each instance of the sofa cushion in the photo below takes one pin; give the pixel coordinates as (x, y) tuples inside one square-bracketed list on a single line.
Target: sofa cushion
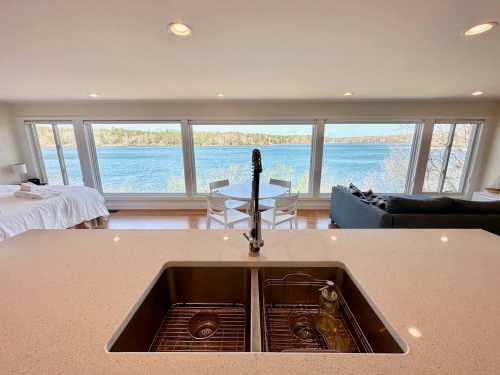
[(399, 205), (472, 207)]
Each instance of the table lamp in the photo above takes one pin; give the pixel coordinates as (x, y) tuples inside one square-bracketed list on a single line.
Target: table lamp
[(21, 170)]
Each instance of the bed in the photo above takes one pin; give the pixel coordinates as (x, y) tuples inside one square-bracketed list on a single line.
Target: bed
[(72, 206)]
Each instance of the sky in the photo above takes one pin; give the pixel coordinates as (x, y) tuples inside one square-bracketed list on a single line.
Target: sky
[(331, 130)]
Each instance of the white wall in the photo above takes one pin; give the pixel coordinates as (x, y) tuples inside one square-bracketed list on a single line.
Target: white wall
[(492, 158), (225, 109), (9, 145)]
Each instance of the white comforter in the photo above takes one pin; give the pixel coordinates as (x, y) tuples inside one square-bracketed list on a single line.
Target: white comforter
[(72, 206)]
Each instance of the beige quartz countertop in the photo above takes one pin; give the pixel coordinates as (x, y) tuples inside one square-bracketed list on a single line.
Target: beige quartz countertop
[(63, 294)]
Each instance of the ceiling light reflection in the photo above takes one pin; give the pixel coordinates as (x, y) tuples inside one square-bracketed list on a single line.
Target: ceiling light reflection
[(415, 332)]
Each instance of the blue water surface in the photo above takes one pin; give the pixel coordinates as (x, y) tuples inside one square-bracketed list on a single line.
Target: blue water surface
[(381, 167)]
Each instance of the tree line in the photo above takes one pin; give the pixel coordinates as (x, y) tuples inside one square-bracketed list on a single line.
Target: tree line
[(128, 137)]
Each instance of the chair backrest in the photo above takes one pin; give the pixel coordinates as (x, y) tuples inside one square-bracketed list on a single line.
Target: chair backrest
[(216, 203), (286, 204), (218, 184), (283, 183)]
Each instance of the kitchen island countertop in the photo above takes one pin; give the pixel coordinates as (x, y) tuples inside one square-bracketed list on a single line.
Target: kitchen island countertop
[(63, 294)]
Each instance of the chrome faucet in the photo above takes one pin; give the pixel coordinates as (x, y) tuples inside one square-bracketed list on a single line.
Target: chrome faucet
[(255, 236)]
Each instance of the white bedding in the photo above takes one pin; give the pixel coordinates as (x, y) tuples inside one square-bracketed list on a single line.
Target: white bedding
[(74, 205)]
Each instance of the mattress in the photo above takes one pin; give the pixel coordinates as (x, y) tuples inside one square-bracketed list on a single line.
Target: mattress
[(73, 205)]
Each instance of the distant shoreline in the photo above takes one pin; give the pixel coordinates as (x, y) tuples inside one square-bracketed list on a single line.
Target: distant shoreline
[(223, 146)]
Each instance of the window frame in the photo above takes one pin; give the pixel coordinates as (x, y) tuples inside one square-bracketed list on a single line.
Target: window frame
[(89, 135), (415, 146), (314, 133), (471, 149), (190, 199), (38, 155)]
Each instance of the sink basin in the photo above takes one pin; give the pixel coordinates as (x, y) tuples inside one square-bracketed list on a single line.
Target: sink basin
[(289, 306), (191, 309), (238, 309)]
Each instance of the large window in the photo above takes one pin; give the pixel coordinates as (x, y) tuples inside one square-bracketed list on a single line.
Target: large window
[(372, 156), (139, 157), (151, 157), (223, 151), (58, 153), (447, 163)]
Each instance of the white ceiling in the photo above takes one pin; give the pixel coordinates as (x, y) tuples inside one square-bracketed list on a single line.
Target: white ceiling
[(248, 49)]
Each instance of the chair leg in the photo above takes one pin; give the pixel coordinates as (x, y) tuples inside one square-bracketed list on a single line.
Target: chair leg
[(291, 223), (296, 222), (208, 222)]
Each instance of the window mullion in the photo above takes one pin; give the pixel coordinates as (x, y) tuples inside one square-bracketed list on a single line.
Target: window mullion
[(60, 154), (446, 158), (317, 157), (89, 137), (188, 157), (422, 155), (35, 143), (465, 175)]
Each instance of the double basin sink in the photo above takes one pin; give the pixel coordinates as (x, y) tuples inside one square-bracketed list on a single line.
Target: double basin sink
[(242, 309)]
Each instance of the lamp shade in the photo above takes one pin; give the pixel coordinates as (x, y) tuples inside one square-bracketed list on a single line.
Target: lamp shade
[(496, 183), (19, 169)]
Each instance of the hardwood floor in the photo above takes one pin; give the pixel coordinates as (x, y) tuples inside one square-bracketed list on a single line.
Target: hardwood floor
[(196, 219)]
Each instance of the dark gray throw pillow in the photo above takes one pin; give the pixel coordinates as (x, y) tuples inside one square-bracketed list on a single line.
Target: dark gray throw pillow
[(375, 200), (471, 207), (399, 205)]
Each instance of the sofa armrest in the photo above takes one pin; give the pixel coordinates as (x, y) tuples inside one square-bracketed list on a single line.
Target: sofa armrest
[(348, 211)]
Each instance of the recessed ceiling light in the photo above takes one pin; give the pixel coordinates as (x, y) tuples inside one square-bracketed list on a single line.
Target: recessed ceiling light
[(477, 93), (481, 28), (348, 93), (221, 95), (180, 29), (94, 95)]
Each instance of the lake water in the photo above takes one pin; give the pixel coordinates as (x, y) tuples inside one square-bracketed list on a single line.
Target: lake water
[(382, 167)]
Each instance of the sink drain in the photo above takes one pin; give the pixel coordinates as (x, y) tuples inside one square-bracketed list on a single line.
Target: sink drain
[(203, 325), (301, 326)]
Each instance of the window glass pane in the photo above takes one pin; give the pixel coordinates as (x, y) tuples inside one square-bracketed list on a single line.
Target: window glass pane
[(140, 157), (437, 154), (70, 152), (49, 154), (225, 152), (371, 156), (458, 154)]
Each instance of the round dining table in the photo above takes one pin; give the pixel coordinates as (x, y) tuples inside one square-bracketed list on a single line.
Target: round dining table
[(244, 191)]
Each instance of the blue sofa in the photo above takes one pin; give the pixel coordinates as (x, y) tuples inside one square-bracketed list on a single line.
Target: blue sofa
[(412, 211)]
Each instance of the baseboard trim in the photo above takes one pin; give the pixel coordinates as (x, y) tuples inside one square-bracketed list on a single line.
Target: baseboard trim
[(137, 203)]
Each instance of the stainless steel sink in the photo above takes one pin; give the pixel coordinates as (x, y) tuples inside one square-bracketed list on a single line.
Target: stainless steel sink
[(237, 309), (191, 309), (289, 306)]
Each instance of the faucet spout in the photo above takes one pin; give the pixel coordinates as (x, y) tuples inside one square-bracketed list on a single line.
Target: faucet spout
[(255, 236)]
